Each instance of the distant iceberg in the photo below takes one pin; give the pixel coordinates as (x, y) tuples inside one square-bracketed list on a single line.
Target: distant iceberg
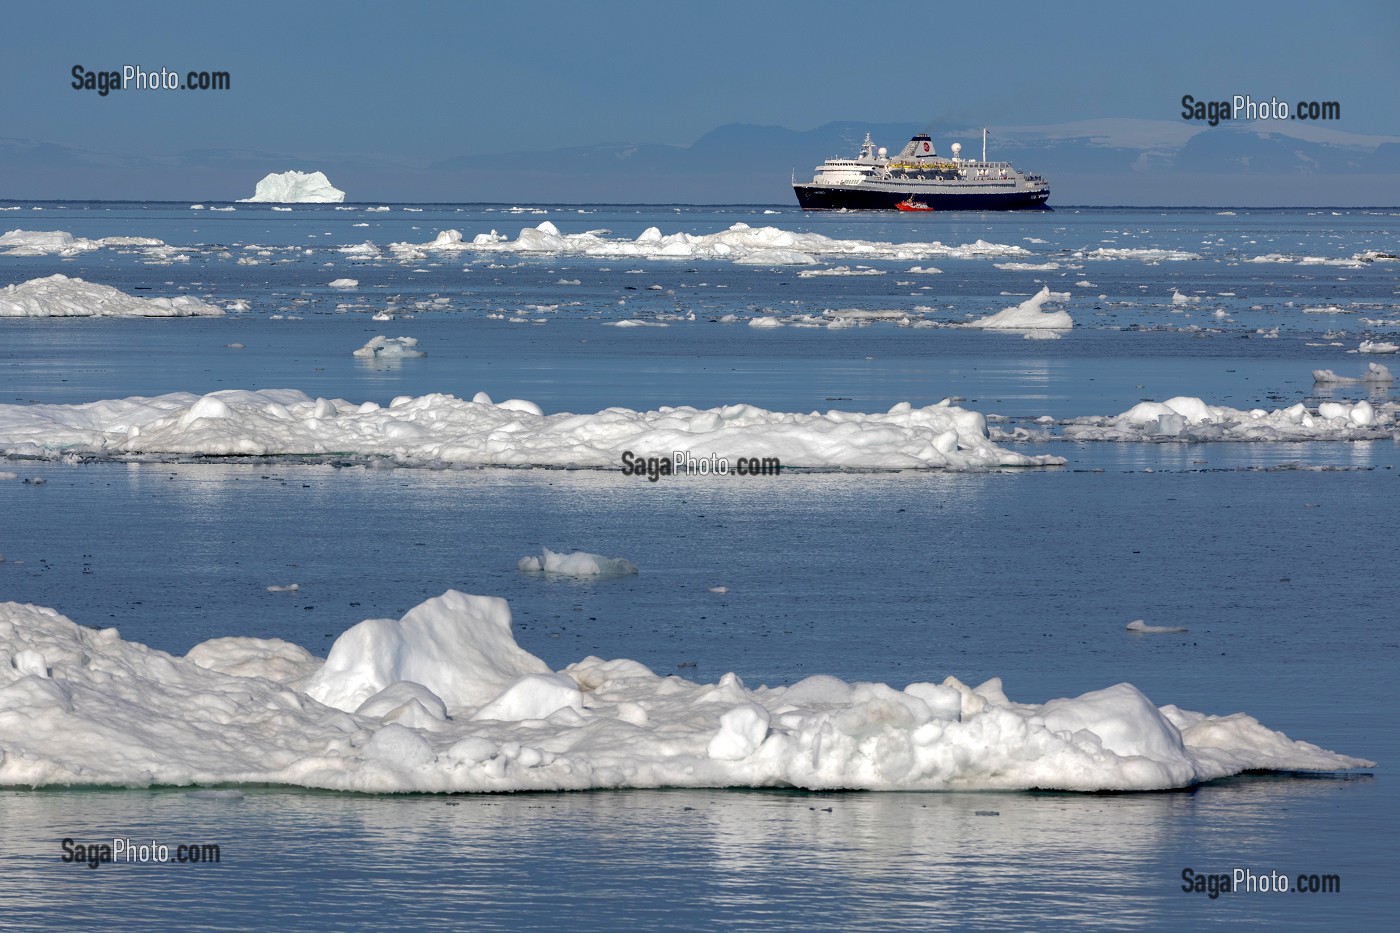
[(296, 188)]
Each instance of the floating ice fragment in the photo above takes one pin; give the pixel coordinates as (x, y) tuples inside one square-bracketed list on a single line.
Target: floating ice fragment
[(577, 564), (1376, 373), (61, 296), (1192, 419), (1142, 628), (382, 347), (1029, 315)]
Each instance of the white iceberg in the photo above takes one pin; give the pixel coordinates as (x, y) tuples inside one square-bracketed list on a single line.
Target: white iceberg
[(344, 283), (295, 188), (437, 429), (1029, 315), (577, 564), (445, 700), (61, 296)]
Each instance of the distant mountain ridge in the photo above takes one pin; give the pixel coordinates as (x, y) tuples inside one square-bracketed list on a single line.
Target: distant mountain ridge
[(1096, 161)]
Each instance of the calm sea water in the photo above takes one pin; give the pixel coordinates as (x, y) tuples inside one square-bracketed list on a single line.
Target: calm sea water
[(1283, 575)]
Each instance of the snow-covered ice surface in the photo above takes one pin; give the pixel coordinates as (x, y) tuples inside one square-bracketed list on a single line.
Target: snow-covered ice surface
[(741, 243), (63, 243), (1191, 419), (1374, 374), (382, 347), (1029, 314), (60, 296), (296, 188), (441, 429), (444, 699)]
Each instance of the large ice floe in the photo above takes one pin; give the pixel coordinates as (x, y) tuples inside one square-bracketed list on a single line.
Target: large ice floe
[(62, 243), (296, 188), (442, 429), (740, 243), (60, 296), (444, 699), (1029, 315), (1187, 418)]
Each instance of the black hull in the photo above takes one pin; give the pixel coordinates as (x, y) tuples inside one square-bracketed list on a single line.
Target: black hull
[(818, 198)]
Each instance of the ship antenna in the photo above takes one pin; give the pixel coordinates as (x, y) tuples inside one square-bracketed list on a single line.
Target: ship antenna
[(984, 144)]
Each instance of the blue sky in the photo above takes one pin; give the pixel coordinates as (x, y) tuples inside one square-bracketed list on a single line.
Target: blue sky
[(429, 81)]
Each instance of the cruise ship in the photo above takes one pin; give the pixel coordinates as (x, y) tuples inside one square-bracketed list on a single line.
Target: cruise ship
[(918, 178)]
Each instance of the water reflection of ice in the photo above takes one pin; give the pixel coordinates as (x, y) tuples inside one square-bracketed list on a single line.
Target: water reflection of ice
[(775, 859)]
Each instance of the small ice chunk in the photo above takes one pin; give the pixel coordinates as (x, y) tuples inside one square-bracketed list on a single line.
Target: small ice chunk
[(576, 564), (390, 348), (1142, 628)]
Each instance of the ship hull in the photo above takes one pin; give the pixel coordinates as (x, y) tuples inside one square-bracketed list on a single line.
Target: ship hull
[(864, 198)]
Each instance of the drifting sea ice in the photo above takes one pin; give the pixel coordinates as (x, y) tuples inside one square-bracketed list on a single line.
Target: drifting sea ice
[(61, 243), (382, 347), (1191, 419), (60, 296), (1375, 374), (1140, 627), (1029, 315), (444, 699), (740, 243), (576, 564), (444, 429)]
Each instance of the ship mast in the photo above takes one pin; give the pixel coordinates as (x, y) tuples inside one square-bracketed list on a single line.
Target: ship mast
[(984, 144)]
